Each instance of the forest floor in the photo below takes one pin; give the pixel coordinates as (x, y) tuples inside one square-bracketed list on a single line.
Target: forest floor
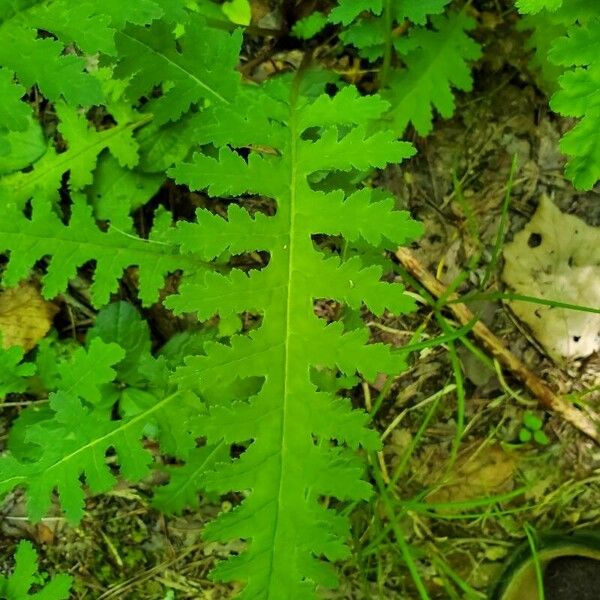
[(457, 185)]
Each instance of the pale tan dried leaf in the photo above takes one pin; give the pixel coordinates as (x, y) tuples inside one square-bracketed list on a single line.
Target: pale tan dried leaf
[(557, 257)]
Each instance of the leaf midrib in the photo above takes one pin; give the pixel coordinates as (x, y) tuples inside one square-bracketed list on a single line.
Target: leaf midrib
[(171, 62)]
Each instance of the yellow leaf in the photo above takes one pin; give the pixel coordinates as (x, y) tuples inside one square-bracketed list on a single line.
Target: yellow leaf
[(25, 317), (478, 473)]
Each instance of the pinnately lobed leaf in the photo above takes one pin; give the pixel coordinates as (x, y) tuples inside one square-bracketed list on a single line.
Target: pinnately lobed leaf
[(284, 143), (433, 54), (25, 575), (75, 433), (436, 61), (575, 54), (579, 97), (79, 241), (301, 441), (44, 180), (536, 6), (198, 66)]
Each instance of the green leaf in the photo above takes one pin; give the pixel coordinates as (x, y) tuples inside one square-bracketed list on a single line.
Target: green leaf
[(532, 422), (79, 241), (163, 145), (436, 61), (13, 373), (26, 147), (348, 10), (567, 33), (309, 26), (286, 424), (44, 180), (580, 46), (120, 323), (541, 438), (368, 35), (74, 443), (579, 97), (25, 575), (116, 192), (184, 344), (87, 370), (535, 6), (238, 11), (21, 52), (544, 28), (199, 66), (418, 12), (14, 114), (525, 435), (186, 480)]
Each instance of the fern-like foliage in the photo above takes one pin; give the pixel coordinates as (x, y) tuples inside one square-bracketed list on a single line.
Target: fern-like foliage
[(436, 61), (44, 180), (200, 65), (140, 52), (432, 53), (72, 437), (13, 372), (28, 59), (168, 82), (79, 241), (301, 441), (575, 53), (18, 585)]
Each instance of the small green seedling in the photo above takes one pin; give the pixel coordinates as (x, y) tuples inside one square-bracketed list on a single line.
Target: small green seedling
[(532, 430)]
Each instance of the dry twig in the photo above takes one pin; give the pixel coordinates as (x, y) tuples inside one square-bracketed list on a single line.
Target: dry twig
[(545, 396)]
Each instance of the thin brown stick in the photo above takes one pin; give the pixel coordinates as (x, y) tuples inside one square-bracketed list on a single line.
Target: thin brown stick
[(545, 396)]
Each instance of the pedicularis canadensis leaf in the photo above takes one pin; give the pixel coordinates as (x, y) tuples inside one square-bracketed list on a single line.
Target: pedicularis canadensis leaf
[(169, 84), (25, 575), (577, 55), (301, 441)]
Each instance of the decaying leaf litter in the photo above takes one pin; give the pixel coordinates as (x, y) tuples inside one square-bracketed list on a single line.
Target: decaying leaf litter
[(456, 186)]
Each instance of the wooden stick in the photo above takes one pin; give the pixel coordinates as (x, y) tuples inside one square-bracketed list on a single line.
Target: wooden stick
[(545, 396)]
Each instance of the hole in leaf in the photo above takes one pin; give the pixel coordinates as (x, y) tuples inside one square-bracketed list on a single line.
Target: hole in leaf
[(535, 239), (248, 261), (311, 134)]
